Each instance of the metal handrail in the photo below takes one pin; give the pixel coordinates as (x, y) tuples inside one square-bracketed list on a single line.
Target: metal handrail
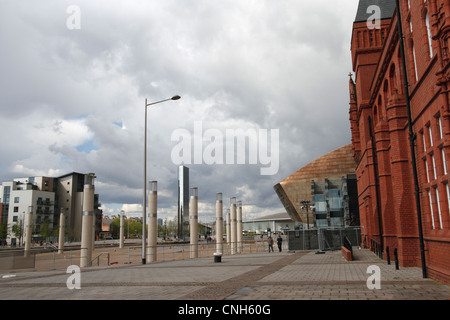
[(98, 258)]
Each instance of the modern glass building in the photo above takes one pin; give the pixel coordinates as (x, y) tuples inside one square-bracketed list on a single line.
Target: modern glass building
[(331, 204), (323, 193)]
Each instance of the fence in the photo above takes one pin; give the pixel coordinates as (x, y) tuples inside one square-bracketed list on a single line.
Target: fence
[(323, 238), (11, 260), (16, 260), (203, 250), (47, 259)]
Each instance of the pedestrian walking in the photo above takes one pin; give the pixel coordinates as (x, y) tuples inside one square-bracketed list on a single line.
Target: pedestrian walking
[(279, 242), (270, 243)]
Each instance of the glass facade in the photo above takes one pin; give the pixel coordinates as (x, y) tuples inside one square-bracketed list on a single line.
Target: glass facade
[(331, 203)]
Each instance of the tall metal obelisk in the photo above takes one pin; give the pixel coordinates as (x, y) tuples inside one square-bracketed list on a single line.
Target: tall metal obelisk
[(183, 202)]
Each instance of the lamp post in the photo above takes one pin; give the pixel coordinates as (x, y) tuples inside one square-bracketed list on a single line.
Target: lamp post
[(305, 204), (144, 201)]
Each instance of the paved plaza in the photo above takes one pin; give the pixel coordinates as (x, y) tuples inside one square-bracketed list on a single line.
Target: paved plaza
[(257, 276)]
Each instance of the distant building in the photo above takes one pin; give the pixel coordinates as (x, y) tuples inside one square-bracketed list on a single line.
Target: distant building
[(279, 222), (106, 228), (329, 184), (46, 197)]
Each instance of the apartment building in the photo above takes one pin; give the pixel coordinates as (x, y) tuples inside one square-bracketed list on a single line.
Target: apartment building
[(46, 198)]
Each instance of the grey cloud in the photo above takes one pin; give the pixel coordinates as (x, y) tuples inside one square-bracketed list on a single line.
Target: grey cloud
[(271, 65)]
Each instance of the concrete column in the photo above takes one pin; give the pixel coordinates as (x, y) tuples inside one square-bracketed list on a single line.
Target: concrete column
[(239, 227), (122, 213), (28, 230), (152, 221), (228, 229), (62, 231), (87, 221), (193, 221), (93, 232), (219, 223), (233, 225)]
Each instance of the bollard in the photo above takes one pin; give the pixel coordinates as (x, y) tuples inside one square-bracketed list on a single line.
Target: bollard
[(387, 256), (217, 257), (396, 259)]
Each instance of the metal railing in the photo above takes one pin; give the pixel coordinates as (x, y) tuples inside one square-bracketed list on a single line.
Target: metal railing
[(43, 260), (323, 239), (375, 247), (378, 250), (202, 250), (98, 259)]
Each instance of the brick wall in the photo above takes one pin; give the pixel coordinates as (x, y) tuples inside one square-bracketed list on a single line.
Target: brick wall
[(379, 93)]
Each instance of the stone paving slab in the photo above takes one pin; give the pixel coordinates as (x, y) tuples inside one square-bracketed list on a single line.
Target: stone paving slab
[(259, 276), (329, 277)]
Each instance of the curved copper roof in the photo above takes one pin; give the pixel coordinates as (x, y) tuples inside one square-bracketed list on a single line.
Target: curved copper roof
[(333, 165)]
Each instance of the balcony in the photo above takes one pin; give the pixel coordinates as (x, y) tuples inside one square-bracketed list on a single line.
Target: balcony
[(46, 202)]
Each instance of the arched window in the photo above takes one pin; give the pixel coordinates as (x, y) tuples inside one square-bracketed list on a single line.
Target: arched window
[(375, 115), (380, 108), (393, 79), (385, 93), (413, 52), (430, 43)]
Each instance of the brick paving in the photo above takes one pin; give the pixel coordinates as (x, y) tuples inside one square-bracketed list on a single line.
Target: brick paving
[(257, 276)]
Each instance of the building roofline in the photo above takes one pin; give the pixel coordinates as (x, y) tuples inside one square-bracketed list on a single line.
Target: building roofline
[(387, 8)]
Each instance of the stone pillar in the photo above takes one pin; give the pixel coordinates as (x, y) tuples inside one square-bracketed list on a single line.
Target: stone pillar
[(228, 229), (239, 227), (219, 223), (87, 221), (93, 231), (122, 213), (193, 220), (152, 221), (233, 225), (28, 231), (62, 231)]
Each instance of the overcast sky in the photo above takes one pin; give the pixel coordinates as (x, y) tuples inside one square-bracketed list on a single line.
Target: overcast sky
[(74, 80)]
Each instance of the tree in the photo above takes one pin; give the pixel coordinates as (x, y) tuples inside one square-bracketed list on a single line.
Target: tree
[(45, 231), (133, 227), (17, 230), (115, 228), (3, 231)]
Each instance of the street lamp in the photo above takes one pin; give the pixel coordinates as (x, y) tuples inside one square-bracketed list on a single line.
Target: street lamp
[(305, 204), (144, 201)]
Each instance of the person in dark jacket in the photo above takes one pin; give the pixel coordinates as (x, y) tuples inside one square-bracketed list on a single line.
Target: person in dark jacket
[(279, 242)]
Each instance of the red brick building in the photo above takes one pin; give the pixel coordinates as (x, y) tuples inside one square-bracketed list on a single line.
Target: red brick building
[(380, 131)]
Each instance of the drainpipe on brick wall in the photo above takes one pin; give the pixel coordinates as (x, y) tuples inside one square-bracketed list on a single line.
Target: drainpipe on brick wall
[(412, 137)]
